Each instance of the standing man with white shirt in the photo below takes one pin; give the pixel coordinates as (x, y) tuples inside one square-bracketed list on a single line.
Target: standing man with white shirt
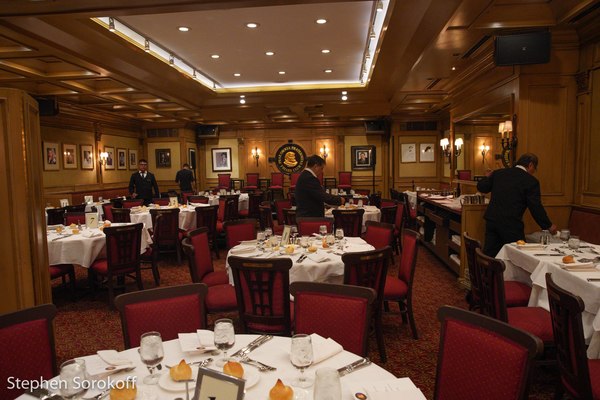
[(142, 183)]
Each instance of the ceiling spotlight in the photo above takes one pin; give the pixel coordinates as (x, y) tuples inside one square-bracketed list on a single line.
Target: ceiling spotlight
[(252, 25), (321, 21), (325, 51), (328, 71), (270, 53), (183, 29), (453, 68), (194, 74), (281, 72), (237, 74), (344, 98), (171, 60), (242, 101), (215, 56), (344, 93), (111, 24), (242, 96), (146, 45)]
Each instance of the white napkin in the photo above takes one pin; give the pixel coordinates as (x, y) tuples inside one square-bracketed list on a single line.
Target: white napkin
[(91, 234), (112, 357), (249, 242), (243, 250), (578, 266), (324, 348), (531, 246), (316, 257), (202, 341)]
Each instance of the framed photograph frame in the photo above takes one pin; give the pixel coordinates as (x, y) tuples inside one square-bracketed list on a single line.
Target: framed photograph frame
[(121, 158), (214, 384), (110, 158), (133, 159), (408, 152), (221, 159), (87, 156), (163, 158), (50, 153), (69, 156), (362, 157), (426, 152)]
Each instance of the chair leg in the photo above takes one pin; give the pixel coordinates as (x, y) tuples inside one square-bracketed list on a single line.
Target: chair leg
[(411, 319), (138, 279), (111, 294), (72, 284), (379, 336), (178, 249)]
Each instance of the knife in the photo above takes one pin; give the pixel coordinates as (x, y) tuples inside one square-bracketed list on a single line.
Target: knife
[(302, 258), (549, 255), (345, 370), (253, 345)]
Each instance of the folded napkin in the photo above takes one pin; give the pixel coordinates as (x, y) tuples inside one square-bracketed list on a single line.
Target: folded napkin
[(113, 357), (324, 348), (249, 242), (530, 246), (91, 234), (243, 250), (578, 266), (201, 341), (316, 257)]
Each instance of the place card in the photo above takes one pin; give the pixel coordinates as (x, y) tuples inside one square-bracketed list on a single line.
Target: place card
[(216, 385)]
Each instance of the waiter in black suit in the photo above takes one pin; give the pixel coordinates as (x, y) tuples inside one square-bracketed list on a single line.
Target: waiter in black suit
[(310, 195), (142, 183), (513, 190)]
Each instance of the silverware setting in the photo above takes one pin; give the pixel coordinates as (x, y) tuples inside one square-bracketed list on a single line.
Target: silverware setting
[(261, 366), (62, 237), (345, 370), (202, 363), (244, 351), (302, 258)]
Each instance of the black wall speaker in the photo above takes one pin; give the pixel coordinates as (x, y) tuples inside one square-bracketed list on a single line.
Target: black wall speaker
[(523, 48), (48, 106), (207, 131), (375, 127)]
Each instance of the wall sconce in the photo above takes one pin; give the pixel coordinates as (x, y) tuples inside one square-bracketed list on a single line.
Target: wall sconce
[(445, 143), (509, 141), (103, 157), (484, 150), (256, 154), (324, 151), (458, 144)]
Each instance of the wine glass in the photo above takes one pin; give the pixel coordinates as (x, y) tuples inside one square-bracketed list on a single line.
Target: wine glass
[(224, 338), (304, 243), (74, 379), (564, 235), (330, 240), (260, 238), (268, 233), (301, 356), (573, 242), (339, 234), (151, 354), (323, 230), (293, 233)]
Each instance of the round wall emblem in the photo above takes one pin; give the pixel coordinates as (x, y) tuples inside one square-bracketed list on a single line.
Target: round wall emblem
[(290, 158)]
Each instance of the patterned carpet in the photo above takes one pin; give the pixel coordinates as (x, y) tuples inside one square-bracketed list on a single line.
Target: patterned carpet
[(88, 325)]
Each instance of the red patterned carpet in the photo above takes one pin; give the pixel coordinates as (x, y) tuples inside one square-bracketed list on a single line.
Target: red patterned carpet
[(88, 325)]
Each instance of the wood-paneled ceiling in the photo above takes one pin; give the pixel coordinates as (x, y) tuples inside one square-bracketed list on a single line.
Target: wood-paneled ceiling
[(53, 48)]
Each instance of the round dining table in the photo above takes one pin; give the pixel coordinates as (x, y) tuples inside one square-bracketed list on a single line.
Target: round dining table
[(275, 353)]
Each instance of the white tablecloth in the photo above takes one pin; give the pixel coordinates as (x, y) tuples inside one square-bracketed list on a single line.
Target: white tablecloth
[(276, 353), (525, 266), (187, 217), (330, 269), (82, 248), (243, 201), (372, 213)]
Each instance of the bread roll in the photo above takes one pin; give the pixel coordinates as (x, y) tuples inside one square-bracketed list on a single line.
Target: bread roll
[(233, 368), (521, 242), (289, 249), (281, 392), (312, 249), (568, 259), (181, 372), (123, 391)]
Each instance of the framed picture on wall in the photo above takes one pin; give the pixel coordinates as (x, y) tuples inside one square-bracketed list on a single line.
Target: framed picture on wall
[(50, 154), (69, 156), (362, 157), (121, 159), (163, 158), (133, 159), (110, 158), (426, 152), (408, 152), (87, 156), (221, 159)]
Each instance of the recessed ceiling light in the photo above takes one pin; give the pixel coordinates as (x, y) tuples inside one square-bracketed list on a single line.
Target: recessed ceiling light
[(321, 21), (325, 51), (242, 96), (242, 101), (281, 72), (111, 24), (183, 29), (328, 71), (252, 25), (344, 98), (237, 74), (453, 68), (270, 53), (344, 93), (215, 56)]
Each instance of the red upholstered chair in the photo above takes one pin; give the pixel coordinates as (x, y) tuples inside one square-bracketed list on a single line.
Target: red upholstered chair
[(279, 206), (266, 219), (251, 181), (123, 245), (197, 199), (161, 201), (388, 213), (224, 181), (362, 192), (345, 182), (130, 203), (276, 184), (289, 216), (349, 220), (293, 180), (121, 215), (482, 358), (77, 218), (309, 225), (410, 214), (56, 216), (369, 269), (26, 347), (516, 293), (579, 376), (62, 271), (399, 289), (253, 211), (168, 310), (107, 209), (232, 206), (534, 320), (464, 174), (388, 203), (167, 236), (206, 216), (340, 312), (185, 195), (375, 199), (379, 234), (263, 294), (238, 231)]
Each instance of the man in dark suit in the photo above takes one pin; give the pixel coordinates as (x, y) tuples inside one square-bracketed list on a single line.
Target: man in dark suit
[(310, 195), (142, 183), (513, 190), (185, 177)]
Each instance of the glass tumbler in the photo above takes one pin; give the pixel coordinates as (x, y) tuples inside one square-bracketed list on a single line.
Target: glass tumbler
[(327, 385), (574, 242)]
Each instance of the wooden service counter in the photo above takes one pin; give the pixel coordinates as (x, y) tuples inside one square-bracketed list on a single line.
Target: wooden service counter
[(442, 227)]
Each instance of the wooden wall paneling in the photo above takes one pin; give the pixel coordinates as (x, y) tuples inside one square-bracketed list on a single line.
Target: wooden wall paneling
[(589, 121), (24, 277), (473, 223)]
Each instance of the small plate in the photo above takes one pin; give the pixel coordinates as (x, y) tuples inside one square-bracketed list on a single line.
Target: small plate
[(251, 375), (170, 385), (285, 253)]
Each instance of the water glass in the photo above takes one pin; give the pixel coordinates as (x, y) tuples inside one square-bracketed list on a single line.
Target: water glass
[(565, 234), (224, 338), (293, 233), (304, 242), (330, 240), (574, 242), (339, 234), (301, 356), (327, 385), (323, 230), (260, 238), (151, 354), (268, 233), (74, 379)]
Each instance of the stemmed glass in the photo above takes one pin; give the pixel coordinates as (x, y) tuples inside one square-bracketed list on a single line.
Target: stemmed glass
[(73, 377), (224, 338), (323, 230), (260, 238), (151, 354), (339, 234), (330, 240), (304, 243), (293, 233), (301, 356), (268, 233)]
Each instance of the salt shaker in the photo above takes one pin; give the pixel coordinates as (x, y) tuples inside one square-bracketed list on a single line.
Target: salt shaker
[(545, 238)]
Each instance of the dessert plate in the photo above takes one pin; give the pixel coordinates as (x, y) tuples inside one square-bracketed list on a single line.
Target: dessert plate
[(170, 385)]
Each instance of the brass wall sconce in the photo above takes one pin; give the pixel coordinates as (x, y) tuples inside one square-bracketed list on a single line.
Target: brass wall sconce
[(447, 151), (324, 152), (484, 150), (103, 157), (256, 154)]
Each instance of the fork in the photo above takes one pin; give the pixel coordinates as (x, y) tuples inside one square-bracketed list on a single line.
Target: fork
[(261, 367)]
